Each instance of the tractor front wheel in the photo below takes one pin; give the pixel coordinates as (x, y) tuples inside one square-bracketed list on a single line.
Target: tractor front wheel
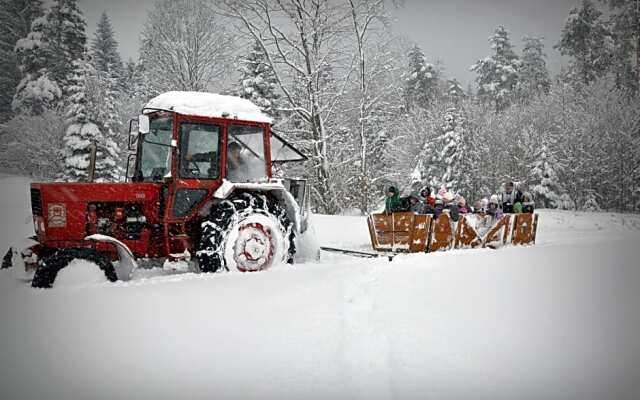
[(250, 232), (49, 267)]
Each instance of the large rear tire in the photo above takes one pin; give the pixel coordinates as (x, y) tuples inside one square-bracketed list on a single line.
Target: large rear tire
[(49, 267), (248, 232)]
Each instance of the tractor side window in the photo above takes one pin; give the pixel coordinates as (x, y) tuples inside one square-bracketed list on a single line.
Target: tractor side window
[(245, 154), (155, 151), (199, 150)]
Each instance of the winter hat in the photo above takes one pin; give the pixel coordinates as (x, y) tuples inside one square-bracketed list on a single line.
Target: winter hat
[(493, 199), (393, 189)]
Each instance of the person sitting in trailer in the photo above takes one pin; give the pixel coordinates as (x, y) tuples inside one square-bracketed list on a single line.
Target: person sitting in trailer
[(392, 202), (528, 206), (445, 204), (417, 205), (510, 197), (462, 206), (493, 208), (429, 198)]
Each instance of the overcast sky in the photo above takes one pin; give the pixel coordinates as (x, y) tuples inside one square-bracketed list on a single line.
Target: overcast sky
[(454, 32)]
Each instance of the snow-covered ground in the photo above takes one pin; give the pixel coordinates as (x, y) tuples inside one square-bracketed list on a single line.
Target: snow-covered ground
[(560, 320)]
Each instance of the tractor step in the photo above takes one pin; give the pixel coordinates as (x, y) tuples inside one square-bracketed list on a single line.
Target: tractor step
[(358, 253)]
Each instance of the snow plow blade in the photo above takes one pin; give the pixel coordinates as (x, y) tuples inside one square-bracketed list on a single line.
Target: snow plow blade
[(127, 263), (417, 233)]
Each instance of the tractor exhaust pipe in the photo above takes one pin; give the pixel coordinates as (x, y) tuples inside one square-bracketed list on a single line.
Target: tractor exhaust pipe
[(93, 149)]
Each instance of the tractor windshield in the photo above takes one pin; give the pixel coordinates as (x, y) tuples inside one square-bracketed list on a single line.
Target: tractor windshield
[(155, 150)]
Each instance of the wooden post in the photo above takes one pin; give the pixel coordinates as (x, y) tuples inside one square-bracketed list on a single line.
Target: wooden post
[(92, 161)]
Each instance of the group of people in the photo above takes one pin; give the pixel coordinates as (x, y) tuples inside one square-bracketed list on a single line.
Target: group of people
[(512, 200)]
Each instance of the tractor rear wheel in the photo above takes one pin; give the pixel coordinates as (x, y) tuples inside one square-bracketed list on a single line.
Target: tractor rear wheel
[(49, 267), (248, 232)]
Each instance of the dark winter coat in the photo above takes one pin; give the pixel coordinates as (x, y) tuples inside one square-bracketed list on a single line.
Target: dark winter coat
[(393, 204), (418, 208), (509, 199), (451, 208), (528, 207), (494, 211)]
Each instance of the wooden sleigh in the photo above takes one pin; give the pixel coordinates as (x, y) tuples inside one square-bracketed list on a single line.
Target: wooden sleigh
[(417, 233)]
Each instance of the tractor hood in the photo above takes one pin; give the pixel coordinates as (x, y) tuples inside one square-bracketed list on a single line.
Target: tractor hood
[(60, 209)]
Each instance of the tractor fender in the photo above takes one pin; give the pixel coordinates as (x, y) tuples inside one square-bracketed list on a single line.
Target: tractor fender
[(127, 263), (273, 186)]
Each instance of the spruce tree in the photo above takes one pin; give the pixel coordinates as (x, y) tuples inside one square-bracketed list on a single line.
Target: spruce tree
[(586, 38), (454, 151), (108, 87), (46, 57), (104, 49), (258, 81), (16, 17), (421, 81), (625, 28), (534, 76), (82, 132), (455, 93), (498, 74), (543, 180)]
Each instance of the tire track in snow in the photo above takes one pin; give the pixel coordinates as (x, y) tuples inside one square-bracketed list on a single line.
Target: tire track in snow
[(365, 348)]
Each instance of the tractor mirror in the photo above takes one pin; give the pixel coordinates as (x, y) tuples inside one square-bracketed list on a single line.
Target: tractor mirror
[(143, 124)]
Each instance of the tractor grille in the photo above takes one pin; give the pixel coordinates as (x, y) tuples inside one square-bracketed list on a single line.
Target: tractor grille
[(36, 202)]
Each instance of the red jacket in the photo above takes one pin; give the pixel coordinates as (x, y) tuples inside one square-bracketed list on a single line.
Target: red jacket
[(430, 200)]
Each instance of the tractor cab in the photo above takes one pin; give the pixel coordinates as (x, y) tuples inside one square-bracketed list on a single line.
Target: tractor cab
[(214, 141), (193, 142)]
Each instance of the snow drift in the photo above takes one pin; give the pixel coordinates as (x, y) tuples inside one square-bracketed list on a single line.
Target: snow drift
[(556, 321)]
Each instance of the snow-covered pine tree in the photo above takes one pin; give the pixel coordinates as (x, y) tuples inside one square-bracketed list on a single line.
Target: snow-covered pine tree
[(46, 56), (258, 82), (37, 91), (498, 73), (66, 40), (625, 27), (454, 151), (534, 76), (106, 106), (16, 17), (421, 80), (107, 87), (543, 180), (104, 49), (82, 131), (455, 93), (587, 39)]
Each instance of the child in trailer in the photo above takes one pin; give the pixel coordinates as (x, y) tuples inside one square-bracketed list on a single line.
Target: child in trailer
[(445, 203), (493, 208), (429, 198), (392, 202), (416, 205), (528, 205), (462, 206)]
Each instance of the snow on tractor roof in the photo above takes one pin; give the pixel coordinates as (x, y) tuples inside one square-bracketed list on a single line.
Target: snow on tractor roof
[(209, 105)]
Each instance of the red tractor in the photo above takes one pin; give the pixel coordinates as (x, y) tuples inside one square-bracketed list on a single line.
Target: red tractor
[(199, 183)]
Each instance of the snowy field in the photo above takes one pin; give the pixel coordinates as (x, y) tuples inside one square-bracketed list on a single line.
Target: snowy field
[(560, 320)]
